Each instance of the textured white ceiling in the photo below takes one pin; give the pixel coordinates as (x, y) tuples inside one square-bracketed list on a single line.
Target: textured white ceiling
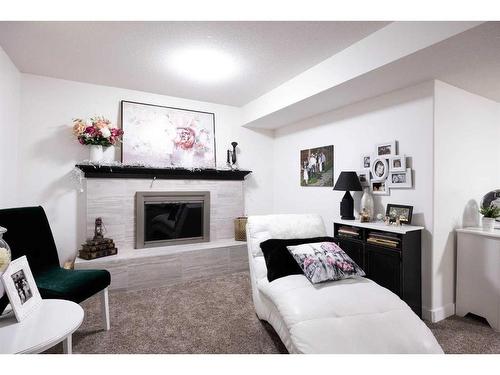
[(133, 54)]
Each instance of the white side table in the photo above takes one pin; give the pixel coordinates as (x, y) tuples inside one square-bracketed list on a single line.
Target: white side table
[(54, 321), (478, 274)]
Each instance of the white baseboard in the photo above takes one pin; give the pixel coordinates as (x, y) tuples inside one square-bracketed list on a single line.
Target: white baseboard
[(440, 313)]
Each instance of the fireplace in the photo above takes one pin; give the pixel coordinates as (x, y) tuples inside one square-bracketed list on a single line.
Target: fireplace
[(171, 218)]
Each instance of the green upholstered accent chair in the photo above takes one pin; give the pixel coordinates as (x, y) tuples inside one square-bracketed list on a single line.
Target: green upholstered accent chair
[(29, 233)]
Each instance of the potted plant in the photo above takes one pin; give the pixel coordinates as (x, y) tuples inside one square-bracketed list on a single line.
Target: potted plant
[(490, 213), (99, 135)]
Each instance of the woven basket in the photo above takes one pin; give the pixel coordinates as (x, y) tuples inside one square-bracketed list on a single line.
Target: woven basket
[(240, 232)]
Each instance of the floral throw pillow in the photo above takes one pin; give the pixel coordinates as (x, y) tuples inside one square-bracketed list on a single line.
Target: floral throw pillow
[(324, 261)]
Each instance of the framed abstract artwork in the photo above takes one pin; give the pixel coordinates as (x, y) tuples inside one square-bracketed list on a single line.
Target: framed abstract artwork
[(167, 137)]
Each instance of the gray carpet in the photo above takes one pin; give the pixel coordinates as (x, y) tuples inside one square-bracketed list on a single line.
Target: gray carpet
[(216, 316)]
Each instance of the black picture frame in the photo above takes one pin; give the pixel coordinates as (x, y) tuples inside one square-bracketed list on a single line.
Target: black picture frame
[(401, 207), (122, 102)]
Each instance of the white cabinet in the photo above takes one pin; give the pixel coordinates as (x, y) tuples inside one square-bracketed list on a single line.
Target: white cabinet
[(478, 274)]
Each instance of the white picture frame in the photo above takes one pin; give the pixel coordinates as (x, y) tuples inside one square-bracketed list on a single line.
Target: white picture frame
[(364, 177), (366, 161), (21, 288), (379, 168), (400, 180), (379, 187), (397, 163), (386, 149)]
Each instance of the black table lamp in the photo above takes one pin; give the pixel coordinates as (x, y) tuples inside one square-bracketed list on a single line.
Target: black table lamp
[(347, 181)]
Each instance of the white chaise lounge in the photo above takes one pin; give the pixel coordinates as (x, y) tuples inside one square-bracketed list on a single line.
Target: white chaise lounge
[(348, 316)]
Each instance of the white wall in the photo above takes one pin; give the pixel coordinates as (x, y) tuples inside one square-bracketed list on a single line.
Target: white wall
[(405, 115), (48, 151), (10, 86), (466, 166)]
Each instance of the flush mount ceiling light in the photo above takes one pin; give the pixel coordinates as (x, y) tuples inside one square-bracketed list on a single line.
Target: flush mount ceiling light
[(203, 64)]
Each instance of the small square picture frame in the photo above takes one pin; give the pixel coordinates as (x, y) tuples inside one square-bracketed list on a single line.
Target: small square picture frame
[(386, 149), (21, 288), (397, 163), (379, 187), (366, 161), (400, 180), (364, 177)]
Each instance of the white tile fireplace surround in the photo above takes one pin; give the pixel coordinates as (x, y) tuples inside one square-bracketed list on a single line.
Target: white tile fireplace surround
[(114, 201)]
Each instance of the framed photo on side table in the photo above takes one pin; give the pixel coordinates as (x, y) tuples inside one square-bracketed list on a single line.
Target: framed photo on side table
[(21, 288)]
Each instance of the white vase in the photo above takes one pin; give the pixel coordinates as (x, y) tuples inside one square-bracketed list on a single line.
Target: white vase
[(108, 154), (367, 202), (96, 153), (5, 258), (488, 223)]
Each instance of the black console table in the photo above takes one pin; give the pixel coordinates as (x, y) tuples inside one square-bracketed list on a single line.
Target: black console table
[(390, 256)]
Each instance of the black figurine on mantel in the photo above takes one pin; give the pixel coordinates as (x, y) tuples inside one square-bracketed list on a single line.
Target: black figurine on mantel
[(234, 144), (231, 156)]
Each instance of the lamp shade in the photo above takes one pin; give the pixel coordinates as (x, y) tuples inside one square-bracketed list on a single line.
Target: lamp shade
[(348, 181)]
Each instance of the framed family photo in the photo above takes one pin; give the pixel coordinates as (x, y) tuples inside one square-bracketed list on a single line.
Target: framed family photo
[(379, 187), (379, 168), (366, 161), (364, 177), (397, 163), (21, 288), (404, 213), (400, 180), (167, 137), (316, 166), (386, 149)]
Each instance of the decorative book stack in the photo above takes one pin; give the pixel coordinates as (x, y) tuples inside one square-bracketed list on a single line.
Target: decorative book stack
[(98, 248), (384, 238), (348, 232)]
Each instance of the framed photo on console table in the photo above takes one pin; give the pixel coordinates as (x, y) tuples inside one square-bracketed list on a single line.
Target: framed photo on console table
[(166, 137), (21, 288), (404, 213)]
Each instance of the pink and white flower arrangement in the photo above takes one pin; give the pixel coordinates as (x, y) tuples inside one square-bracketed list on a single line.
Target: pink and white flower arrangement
[(98, 132)]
